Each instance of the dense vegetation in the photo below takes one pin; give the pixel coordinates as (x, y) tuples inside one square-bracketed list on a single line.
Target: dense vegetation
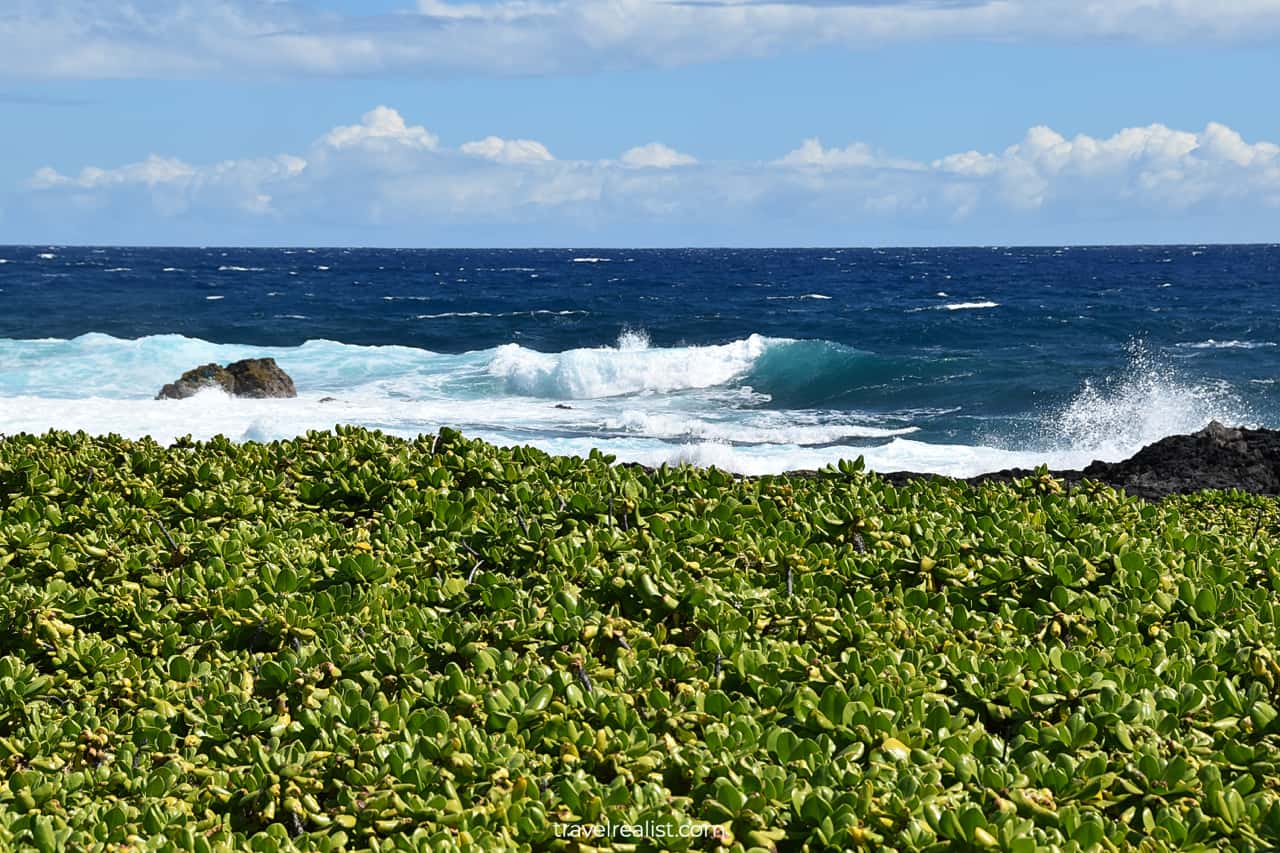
[(350, 641)]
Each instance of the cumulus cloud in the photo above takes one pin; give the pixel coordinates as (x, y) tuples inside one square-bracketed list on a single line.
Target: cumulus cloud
[(381, 126), (508, 150), (209, 38), (859, 154), (655, 155), (1155, 166), (385, 172)]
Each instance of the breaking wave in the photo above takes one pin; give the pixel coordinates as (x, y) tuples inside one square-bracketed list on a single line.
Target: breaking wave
[(754, 405)]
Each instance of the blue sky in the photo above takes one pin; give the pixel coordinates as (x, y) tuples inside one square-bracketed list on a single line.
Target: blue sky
[(634, 122)]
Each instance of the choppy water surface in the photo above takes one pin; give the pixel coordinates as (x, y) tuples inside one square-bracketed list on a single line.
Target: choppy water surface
[(951, 360)]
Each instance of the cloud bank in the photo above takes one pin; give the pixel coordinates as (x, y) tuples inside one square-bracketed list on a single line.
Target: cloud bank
[(385, 172), (79, 39)]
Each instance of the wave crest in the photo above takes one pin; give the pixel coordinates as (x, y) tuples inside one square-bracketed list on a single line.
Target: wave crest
[(630, 367)]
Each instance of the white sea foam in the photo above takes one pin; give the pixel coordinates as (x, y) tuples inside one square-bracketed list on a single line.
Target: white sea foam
[(900, 454), (4, 260), (503, 421), (323, 269), (1212, 344), (215, 298), (802, 296), (46, 256), (631, 367), (969, 306), (239, 269), (591, 260), (758, 428), (119, 269), (538, 312), (171, 269)]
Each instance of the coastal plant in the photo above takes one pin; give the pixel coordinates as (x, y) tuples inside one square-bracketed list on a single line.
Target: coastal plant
[(349, 641)]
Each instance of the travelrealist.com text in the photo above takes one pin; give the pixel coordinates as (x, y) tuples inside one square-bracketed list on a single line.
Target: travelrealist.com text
[(636, 830)]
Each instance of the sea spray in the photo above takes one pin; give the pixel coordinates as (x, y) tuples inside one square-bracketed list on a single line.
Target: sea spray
[(1113, 417)]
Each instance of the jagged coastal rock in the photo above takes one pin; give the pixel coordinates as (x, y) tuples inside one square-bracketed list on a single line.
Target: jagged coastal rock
[(250, 377), (1216, 457)]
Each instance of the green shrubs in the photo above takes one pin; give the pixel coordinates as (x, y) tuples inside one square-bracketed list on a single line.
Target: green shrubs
[(349, 641)]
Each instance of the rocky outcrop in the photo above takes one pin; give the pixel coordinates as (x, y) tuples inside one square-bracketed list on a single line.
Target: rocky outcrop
[(251, 377), (1216, 457)]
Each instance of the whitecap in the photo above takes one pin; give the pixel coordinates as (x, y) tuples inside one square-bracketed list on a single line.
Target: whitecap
[(213, 298), (591, 260), (1212, 344), (119, 269), (46, 256), (969, 306), (239, 269), (539, 312), (956, 306), (802, 296)]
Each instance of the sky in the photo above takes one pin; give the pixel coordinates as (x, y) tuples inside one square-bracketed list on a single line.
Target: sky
[(638, 122)]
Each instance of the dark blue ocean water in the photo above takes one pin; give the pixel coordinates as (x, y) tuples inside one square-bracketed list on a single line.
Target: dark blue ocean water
[(939, 359)]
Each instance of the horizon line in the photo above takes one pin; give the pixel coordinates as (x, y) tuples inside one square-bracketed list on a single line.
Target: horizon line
[(652, 248)]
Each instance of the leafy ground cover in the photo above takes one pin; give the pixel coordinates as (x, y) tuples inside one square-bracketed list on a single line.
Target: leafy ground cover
[(349, 641)]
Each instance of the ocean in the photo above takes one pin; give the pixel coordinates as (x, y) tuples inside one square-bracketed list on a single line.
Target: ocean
[(953, 360)]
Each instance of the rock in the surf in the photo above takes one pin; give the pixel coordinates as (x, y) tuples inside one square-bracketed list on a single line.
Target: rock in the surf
[(1216, 457), (250, 377)]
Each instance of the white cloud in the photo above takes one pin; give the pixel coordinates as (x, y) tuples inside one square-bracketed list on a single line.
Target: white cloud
[(150, 172), (655, 155), (235, 38), (175, 186), (381, 126), (1154, 165), (384, 172), (502, 150), (859, 154)]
